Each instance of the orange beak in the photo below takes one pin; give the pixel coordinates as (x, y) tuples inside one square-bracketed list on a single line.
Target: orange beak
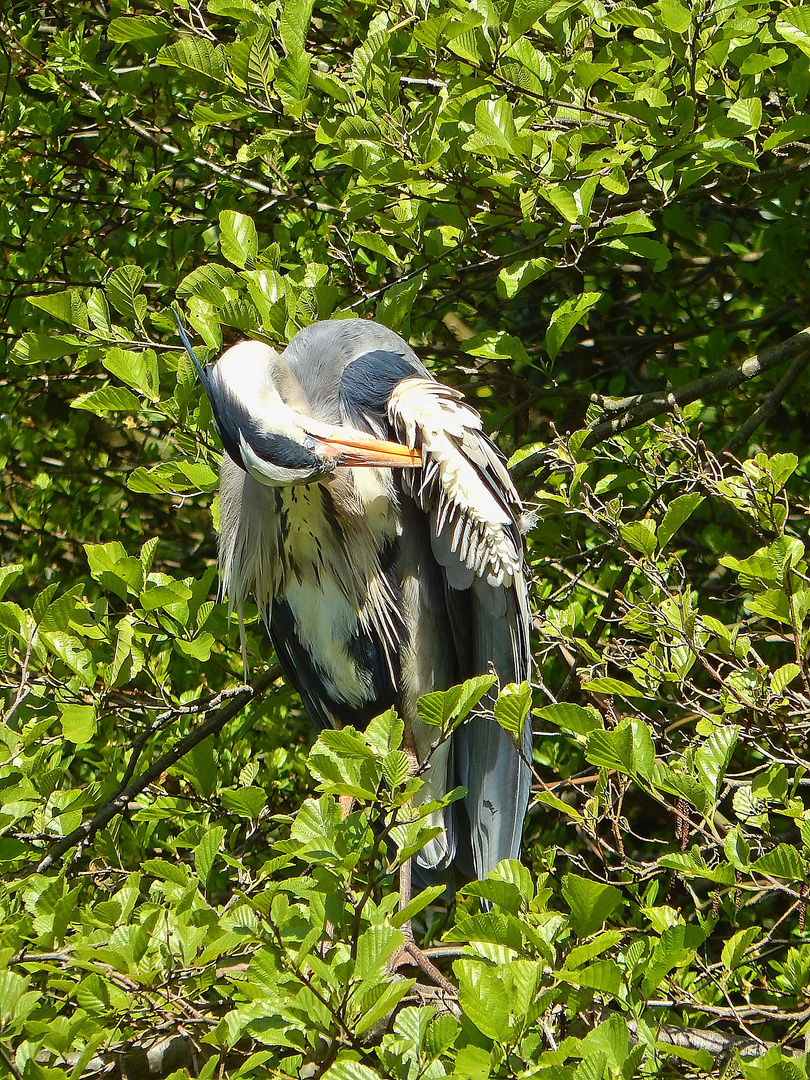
[(350, 447)]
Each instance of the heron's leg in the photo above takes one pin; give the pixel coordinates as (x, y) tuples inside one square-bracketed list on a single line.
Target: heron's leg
[(409, 952)]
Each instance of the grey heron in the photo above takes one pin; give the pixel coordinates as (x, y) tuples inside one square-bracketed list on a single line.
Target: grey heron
[(375, 524)]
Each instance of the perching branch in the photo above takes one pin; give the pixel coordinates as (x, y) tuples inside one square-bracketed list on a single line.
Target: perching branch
[(719, 1044), (118, 804), (769, 406), (635, 410)]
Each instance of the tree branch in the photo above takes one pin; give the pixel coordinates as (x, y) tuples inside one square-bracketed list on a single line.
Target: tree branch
[(121, 800), (769, 406), (638, 408), (635, 410)]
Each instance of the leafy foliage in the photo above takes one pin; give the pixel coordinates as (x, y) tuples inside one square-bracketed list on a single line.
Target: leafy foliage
[(591, 218)]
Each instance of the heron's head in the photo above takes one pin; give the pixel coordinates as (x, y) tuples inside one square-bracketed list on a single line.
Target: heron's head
[(267, 426)]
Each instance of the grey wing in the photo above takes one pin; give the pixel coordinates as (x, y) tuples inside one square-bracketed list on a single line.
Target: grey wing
[(474, 511)]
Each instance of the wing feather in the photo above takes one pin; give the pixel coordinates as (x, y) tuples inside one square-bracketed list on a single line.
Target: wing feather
[(474, 513)]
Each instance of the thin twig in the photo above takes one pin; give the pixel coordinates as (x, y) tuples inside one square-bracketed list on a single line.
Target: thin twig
[(119, 803)]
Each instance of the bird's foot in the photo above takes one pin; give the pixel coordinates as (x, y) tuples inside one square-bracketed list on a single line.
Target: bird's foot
[(409, 953)]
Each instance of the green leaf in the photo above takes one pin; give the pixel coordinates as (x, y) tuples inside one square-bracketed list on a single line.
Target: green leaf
[(396, 767), (783, 676), (380, 1001), (577, 718), (198, 648), (139, 370), (374, 947), (524, 15), (738, 945), (473, 1062), (467, 41), (783, 862), (208, 282), (692, 864), (497, 345), (748, 112), (161, 596), (676, 948), (13, 989), (357, 129), (195, 53), (569, 209), (548, 798), (628, 748), (512, 707), (384, 733), (166, 871), (736, 849), (604, 976), (612, 687), (8, 574), (60, 305), (516, 276), (260, 68), (237, 237), (78, 723), (513, 872), (32, 348), (376, 243), (394, 308), (581, 955), (72, 652), (675, 16), (713, 757), (644, 248), (200, 767), (590, 903), (206, 852), (292, 80), (247, 802), (442, 706), (494, 133), (294, 24), (106, 400), (123, 288), (99, 312), (640, 535), (701, 1060), (416, 904), (503, 894), (316, 819), (679, 511), (114, 569), (793, 24), (794, 129), (346, 742), (440, 1036), (566, 317), (772, 604), (483, 998), (346, 1068), (611, 1039), (140, 29)]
